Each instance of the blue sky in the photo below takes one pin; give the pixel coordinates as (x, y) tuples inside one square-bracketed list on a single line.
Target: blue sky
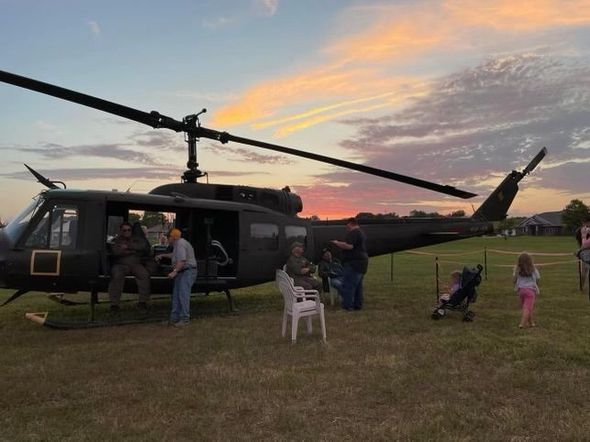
[(458, 92)]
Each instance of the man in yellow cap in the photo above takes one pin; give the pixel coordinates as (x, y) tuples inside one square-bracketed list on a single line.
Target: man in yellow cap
[(184, 273)]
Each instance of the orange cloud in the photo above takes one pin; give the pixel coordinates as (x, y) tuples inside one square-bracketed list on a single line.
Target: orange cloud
[(264, 100), (521, 15), (389, 40), (359, 67), (319, 115)]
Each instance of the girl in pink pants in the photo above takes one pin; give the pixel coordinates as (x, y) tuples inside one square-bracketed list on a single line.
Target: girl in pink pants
[(525, 279)]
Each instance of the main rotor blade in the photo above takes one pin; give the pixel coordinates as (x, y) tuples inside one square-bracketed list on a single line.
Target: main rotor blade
[(156, 120), (153, 119), (448, 190)]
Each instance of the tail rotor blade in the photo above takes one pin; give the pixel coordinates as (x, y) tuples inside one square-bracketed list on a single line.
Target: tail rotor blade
[(535, 161)]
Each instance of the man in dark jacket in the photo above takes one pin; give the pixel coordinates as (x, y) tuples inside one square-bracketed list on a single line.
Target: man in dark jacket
[(355, 261)]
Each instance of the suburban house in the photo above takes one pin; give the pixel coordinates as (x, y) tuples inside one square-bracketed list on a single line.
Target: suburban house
[(546, 223)]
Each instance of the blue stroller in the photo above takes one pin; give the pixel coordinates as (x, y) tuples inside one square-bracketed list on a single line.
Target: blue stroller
[(461, 298)]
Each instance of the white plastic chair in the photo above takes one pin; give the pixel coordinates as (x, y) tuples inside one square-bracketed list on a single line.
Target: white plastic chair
[(299, 303)]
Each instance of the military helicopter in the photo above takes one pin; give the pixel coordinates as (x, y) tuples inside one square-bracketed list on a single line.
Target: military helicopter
[(241, 234)]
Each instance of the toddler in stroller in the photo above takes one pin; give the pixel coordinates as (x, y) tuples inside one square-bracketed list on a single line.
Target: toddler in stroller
[(461, 298)]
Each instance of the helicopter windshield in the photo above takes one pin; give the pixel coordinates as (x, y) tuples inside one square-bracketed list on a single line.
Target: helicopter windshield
[(17, 226)]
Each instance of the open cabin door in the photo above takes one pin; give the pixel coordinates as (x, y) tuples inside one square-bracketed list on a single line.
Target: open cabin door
[(213, 233), (215, 237)]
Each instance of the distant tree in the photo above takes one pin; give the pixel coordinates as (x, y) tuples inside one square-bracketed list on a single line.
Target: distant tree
[(133, 218), (457, 214), (369, 215), (151, 219), (574, 214), (389, 215), (2, 223), (314, 218), (422, 214), (509, 223)]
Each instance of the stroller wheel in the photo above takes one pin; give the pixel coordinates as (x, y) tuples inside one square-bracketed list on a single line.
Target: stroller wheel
[(468, 316), (438, 313)]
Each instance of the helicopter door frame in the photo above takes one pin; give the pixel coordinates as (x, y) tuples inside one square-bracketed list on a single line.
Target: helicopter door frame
[(262, 245)]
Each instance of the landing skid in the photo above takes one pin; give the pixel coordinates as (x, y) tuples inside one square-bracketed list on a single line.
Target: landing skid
[(61, 299), (230, 301), (41, 319), (109, 321)]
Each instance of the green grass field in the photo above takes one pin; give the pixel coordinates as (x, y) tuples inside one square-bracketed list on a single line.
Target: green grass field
[(387, 373)]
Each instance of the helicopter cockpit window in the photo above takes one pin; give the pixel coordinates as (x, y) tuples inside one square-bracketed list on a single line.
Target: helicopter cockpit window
[(296, 233), (58, 229), (264, 236), (17, 226), (64, 228), (38, 238)]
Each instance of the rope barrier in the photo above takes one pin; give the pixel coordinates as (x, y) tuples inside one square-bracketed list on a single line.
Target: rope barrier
[(509, 252), (501, 252), (538, 264), (452, 262), (582, 266), (414, 252)]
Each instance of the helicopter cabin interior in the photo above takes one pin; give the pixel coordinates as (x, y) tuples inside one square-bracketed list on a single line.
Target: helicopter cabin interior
[(214, 235)]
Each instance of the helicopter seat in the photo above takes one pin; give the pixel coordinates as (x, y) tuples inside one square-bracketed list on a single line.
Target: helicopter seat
[(299, 303)]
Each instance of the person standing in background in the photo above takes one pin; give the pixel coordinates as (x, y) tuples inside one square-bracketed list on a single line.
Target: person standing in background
[(355, 262)]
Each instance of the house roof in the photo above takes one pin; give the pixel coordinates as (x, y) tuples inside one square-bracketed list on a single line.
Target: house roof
[(544, 219)]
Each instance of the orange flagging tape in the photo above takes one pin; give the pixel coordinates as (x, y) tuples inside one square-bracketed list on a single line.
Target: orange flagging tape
[(537, 264), (501, 252), (413, 252), (508, 252)]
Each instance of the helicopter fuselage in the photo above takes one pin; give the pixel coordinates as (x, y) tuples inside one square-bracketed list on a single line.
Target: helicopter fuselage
[(61, 242)]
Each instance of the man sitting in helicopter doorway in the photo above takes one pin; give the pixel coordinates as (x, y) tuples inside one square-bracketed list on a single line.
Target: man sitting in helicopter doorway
[(184, 273), (127, 254), (301, 270)]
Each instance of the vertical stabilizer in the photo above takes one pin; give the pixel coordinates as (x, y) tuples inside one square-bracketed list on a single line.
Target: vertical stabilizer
[(496, 206)]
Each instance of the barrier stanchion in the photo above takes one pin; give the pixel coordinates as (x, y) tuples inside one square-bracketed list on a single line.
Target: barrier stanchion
[(580, 278), (391, 268), (437, 277), (485, 262)]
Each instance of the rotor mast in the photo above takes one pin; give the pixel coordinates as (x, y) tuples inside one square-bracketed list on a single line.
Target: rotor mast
[(191, 127)]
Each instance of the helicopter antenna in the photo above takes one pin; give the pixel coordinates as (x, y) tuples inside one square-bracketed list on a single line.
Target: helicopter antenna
[(132, 184), (45, 181)]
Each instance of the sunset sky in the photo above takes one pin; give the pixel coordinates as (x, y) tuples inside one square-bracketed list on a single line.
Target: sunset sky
[(456, 92)]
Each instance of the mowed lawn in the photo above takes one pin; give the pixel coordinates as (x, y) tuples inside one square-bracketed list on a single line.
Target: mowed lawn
[(388, 372)]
